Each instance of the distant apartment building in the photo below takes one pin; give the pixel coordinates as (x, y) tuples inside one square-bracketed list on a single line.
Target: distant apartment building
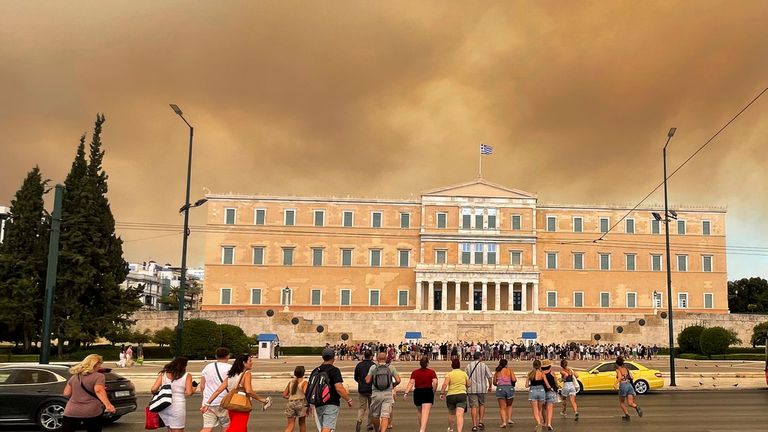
[(158, 280), (5, 213), (475, 247)]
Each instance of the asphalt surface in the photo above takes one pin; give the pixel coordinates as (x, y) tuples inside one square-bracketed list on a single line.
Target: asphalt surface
[(699, 411)]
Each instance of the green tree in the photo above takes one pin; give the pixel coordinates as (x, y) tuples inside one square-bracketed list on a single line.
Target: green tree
[(748, 295), (234, 338), (164, 336), (191, 292), (758, 334), (689, 339), (715, 340), (200, 339), (23, 262)]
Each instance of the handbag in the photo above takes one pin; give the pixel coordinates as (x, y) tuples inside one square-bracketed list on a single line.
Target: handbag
[(162, 399), (237, 400), (151, 419)]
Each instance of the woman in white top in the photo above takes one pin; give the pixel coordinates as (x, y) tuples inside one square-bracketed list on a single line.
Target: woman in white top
[(241, 368), (175, 373)]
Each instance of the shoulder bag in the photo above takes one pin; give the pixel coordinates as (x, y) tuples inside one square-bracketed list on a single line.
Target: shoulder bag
[(238, 400), (163, 398)]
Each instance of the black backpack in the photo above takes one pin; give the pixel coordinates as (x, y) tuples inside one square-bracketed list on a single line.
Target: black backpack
[(382, 377), (318, 388)]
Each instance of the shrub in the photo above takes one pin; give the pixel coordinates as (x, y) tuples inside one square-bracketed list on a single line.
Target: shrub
[(758, 334), (715, 340), (310, 351), (199, 339), (234, 338), (689, 339), (164, 336)]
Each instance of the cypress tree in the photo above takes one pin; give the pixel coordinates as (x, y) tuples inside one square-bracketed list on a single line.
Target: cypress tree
[(23, 262)]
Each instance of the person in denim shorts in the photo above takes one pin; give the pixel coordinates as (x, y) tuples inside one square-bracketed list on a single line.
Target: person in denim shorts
[(537, 384), (626, 389), (551, 398), (569, 389), (504, 378)]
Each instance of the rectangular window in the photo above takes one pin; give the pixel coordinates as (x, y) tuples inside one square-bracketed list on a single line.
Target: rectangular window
[(258, 255), (631, 300), (228, 255), (551, 299), (706, 263), (402, 298), (288, 256), (226, 296), (442, 220), (319, 218), (631, 261), (630, 226), (466, 254), (491, 218), (405, 220), (256, 296), (317, 257), (290, 217), (551, 223), (404, 258), (286, 296), (516, 258), (373, 297), (478, 253), (375, 257), (578, 299), (681, 227), (345, 297), (316, 297), (682, 263), (706, 227), (604, 224), (260, 217), (347, 219), (578, 225), (655, 226), (466, 218), (551, 260), (346, 257), (440, 256), (516, 222), (657, 299), (708, 300), (229, 216), (578, 261), (605, 299), (478, 218), (605, 261), (376, 220), (656, 262), (682, 300), (491, 257)]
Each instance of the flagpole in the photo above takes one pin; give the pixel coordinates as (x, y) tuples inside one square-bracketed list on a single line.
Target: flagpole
[(480, 169)]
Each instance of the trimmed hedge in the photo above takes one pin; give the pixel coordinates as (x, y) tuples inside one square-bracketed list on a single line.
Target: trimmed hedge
[(689, 356), (714, 340), (689, 340), (234, 338), (199, 339), (308, 351)]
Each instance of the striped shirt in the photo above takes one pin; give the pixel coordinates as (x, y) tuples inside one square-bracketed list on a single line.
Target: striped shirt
[(478, 377)]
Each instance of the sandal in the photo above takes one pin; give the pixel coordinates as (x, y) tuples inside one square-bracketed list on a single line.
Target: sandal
[(474, 428), (482, 425)]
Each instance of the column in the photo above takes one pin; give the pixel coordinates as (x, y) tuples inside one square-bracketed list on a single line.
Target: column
[(485, 296), (431, 296), (419, 293), (524, 298), (457, 295), (444, 296), (535, 306), (497, 297), (511, 295)]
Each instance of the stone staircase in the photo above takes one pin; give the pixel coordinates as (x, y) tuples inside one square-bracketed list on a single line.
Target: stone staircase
[(307, 327), (635, 327)]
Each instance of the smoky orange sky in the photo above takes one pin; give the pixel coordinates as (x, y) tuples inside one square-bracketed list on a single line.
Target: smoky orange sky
[(388, 99)]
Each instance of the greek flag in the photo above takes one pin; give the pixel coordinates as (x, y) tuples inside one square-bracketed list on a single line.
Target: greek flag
[(485, 149)]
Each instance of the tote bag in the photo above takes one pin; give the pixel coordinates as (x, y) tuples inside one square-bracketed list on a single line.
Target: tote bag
[(237, 400), (163, 398)]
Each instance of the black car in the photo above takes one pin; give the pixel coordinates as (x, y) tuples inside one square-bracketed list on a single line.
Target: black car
[(31, 394)]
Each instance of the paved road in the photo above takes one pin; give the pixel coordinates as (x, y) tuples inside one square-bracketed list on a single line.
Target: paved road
[(700, 411)]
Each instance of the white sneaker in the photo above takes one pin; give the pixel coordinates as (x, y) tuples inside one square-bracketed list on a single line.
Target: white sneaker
[(268, 404)]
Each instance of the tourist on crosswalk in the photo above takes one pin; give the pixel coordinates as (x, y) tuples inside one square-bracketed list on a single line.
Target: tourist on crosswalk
[(213, 375), (297, 407), (626, 391), (454, 392), (569, 389), (504, 378), (424, 384)]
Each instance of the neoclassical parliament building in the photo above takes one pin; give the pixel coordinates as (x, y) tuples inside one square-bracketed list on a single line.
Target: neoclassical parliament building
[(477, 247)]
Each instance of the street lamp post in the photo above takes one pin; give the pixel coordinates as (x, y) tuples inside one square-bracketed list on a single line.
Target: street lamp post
[(183, 278), (672, 382)]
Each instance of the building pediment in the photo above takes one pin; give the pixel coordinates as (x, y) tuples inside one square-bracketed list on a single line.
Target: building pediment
[(480, 188)]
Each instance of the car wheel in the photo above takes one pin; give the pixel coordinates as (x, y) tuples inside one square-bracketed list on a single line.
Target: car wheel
[(112, 419), (50, 416), (641, 387), (581, 387)]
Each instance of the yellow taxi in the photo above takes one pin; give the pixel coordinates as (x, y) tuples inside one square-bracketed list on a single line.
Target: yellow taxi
[(602, 376)]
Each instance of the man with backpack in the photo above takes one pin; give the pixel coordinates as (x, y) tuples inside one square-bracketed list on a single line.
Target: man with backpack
[(364, 391), (325, 391), (383, 378), (480, 383)]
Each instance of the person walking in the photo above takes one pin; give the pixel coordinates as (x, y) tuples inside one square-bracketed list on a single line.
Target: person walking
[(480, 383), (326, 415), (297, 406), (128, 356), (424, 384), (383, 378), (569, 389), (121, 357), (551, 399), (626, 390), (537, 385), (175, 373), (364, 391), (213, 375), (505, 380), (238, 375), (456, 383), (87, 396)]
